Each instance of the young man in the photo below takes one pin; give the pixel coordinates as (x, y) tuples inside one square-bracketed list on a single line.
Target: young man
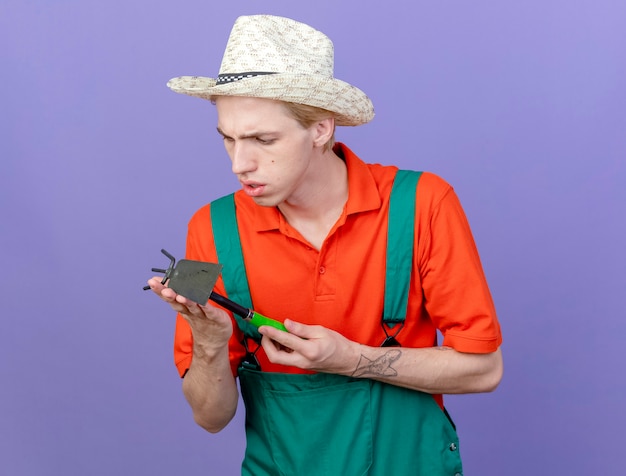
[(330, 396)]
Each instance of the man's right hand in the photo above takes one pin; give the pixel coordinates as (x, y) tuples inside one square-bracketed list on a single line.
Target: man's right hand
[(211, 327)]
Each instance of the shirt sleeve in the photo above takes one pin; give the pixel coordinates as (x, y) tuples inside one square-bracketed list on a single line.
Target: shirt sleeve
[(456, 294), (200, 247)]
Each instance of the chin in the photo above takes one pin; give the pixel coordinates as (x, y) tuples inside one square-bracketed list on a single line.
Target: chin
[(265, 201)]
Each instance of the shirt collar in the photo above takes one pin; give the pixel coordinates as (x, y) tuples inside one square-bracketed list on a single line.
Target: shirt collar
[(363, 194)]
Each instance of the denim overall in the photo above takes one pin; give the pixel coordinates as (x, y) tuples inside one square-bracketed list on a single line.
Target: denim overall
[(331, 425)]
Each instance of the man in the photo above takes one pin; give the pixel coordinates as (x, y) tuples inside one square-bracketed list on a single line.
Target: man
[(329, 396)]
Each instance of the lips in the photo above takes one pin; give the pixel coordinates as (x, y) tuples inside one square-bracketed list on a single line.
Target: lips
[(253, 189)]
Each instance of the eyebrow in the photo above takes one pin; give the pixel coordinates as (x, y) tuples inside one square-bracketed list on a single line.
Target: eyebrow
[(249, 135)]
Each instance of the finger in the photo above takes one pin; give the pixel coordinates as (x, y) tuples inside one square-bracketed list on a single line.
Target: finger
[(301, 330), (168, 294), (155, 284), (172, 296), (269, 346), (293, 326), (279, 354), (161, 290), (283, 338), (178, 302)]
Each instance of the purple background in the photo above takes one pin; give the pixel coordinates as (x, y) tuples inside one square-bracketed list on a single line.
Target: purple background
[(520, 105)]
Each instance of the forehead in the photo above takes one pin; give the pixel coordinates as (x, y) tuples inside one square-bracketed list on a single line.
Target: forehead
[(237, 111)]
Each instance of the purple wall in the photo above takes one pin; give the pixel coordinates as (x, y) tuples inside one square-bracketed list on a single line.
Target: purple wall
[(520, 105)]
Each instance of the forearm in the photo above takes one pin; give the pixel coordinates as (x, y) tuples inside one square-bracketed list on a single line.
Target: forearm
[(430, 370), (436, 370), (210, 389), (209, 385)]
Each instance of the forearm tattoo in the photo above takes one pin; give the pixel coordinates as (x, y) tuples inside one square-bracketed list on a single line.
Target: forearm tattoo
[(381, 367)]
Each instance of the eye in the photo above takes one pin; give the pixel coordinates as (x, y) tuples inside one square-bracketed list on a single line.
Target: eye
[(264, 141)]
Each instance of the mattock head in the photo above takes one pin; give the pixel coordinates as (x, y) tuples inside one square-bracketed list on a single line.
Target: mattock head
[(194, 280)]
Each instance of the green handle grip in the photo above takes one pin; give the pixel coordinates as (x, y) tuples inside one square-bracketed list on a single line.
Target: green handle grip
[(259, 320)]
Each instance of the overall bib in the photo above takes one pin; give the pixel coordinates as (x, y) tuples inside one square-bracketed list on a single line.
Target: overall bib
[(331, 425)]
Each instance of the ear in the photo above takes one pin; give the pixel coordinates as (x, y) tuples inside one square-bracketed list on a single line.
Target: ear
[(324, 130)]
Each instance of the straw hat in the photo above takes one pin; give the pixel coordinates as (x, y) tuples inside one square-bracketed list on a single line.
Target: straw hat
[(279, 58)]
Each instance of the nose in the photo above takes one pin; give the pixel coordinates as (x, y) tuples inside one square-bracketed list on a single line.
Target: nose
[(242, 158)]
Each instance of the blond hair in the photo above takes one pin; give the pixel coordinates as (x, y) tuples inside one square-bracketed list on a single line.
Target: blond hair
[(306, 116)]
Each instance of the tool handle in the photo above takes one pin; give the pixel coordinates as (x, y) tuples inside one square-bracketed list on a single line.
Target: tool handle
[(230, 305), (259, 320), (251, 316)]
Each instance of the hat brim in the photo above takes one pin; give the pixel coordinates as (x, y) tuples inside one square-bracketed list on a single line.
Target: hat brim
[(350, 105)]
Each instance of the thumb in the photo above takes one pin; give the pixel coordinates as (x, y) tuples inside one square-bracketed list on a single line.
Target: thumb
[(299, 329)]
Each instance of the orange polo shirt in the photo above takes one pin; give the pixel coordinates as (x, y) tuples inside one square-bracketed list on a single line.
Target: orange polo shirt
[(341, 286)]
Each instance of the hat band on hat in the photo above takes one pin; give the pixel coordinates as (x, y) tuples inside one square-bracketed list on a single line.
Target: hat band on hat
[(231, 77)]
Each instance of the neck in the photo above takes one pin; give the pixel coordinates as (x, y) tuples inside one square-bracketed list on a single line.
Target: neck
[(317, 210)]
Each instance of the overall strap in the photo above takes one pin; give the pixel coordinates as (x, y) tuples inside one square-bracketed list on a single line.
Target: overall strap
[(400, 239), (229, 254)]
